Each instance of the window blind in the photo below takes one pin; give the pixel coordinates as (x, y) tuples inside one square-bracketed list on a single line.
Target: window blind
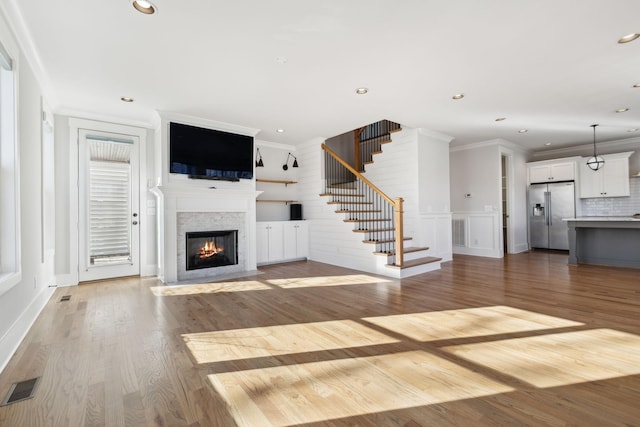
[(109, 203), (5, 59)]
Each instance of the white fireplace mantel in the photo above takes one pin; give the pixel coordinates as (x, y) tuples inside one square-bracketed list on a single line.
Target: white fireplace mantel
[(173, 199)]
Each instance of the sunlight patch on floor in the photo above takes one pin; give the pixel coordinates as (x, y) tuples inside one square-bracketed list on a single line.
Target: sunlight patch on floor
[(343, 280), (209, 288), (468, 322), (219, 346), (320, 391), (559, 359)]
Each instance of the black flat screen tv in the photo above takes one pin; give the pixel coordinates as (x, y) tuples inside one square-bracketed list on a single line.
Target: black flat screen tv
[(209, 154)]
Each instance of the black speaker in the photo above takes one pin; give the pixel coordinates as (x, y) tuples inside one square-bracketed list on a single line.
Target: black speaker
[(295, 212)]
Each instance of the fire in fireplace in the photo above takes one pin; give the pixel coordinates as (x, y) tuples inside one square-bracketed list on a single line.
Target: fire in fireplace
[(207, 249)]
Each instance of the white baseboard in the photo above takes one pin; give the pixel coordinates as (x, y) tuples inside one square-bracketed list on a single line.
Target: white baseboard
[(485, 252), (148, 270), (64, 280), (11, 340)]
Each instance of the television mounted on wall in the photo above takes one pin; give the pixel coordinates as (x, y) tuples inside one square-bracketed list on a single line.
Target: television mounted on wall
[(205, 153)]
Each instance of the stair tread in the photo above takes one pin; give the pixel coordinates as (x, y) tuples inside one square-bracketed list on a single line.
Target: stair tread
[(341, 195), (377, 230), (386, 240), (338, 202), (416, 262), (415, 249), (367, 220), (406, 250)]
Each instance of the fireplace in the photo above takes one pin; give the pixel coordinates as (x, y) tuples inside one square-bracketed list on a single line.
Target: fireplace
[(208, 249)]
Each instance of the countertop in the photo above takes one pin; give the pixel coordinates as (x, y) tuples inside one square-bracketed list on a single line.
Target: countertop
[(603, 218)]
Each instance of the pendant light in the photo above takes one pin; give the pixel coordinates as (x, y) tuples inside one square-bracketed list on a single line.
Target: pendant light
[(596, 162)]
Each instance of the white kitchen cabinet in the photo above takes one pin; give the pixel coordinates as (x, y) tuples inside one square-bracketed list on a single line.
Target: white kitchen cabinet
[(279, 241), (610, 181), (296, 240), (269, 241), (549, 172)]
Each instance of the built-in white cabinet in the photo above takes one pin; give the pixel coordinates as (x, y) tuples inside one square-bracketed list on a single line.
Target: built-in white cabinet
[(610, 181), (279, 241), (296, 238), (551, 171), (269, 242)]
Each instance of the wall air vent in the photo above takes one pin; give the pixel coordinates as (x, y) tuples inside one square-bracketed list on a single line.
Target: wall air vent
[(458, 232)]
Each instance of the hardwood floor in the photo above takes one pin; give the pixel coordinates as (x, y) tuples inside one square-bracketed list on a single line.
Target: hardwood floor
[(526, 340)]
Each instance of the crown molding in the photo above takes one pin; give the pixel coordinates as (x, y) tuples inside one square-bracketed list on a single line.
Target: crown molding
[(103, 118), (587, 149), (489, 143), (213, 124)]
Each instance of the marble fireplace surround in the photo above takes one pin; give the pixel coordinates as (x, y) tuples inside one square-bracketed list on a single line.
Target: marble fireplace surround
[(183, 209)]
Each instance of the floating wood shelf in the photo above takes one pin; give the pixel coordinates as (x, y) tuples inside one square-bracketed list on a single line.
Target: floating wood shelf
[(275, 201), (276, 181)]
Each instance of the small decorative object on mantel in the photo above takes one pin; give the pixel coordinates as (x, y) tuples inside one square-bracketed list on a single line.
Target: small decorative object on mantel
[(286, 163), (596, 162)]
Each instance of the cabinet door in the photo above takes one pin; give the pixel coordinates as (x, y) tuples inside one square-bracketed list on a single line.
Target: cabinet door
[(590, 182), (562, 172), (290, 240), (296, 241), (302, 242), (539, 173), (262, 242), (616, 178), (276, 242)]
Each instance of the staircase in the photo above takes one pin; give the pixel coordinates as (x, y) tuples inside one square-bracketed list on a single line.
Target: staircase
[(374, 215)]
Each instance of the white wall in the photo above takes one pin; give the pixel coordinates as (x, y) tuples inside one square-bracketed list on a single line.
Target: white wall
[(476, 184), (273, 157), (21, 304)]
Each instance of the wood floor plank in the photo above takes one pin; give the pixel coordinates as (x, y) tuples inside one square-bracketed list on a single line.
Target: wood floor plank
[(524, 340)]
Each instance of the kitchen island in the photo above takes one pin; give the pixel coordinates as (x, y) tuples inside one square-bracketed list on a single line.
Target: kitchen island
[(611, 240)]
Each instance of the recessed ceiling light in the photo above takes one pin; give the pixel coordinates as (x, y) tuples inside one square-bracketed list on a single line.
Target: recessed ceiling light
[(144, 6), (632, 130), (629, 38), (458, 96), (523, 131), (280, 130), (126, 99), (281, 59), (362, 90), (636, 85), (499, 119), (547, 144), (622, 110)]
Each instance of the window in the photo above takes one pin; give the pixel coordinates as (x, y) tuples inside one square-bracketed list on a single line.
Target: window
[(9, 176)]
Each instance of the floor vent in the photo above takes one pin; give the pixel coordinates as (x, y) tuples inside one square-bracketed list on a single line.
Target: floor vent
[(65, 298), (21, 391)]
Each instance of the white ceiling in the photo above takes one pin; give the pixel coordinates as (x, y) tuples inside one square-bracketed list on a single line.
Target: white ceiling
[(552, 67)]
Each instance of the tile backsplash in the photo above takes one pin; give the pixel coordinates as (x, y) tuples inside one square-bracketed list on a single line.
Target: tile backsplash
[(614, 206)]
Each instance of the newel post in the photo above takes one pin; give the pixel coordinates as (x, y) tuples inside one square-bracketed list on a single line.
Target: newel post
[(399, 233)]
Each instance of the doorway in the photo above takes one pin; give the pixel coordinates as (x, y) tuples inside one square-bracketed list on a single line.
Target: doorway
[(505, 202), (108, 201)]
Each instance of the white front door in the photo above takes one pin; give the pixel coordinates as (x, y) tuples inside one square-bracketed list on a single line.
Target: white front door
[(108, 218)]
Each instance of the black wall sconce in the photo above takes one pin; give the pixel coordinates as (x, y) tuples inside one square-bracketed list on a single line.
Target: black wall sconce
[(286, 163), (259, 163)]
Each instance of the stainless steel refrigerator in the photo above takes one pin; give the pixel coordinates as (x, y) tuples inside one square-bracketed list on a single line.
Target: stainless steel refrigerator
[(548, 204)]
